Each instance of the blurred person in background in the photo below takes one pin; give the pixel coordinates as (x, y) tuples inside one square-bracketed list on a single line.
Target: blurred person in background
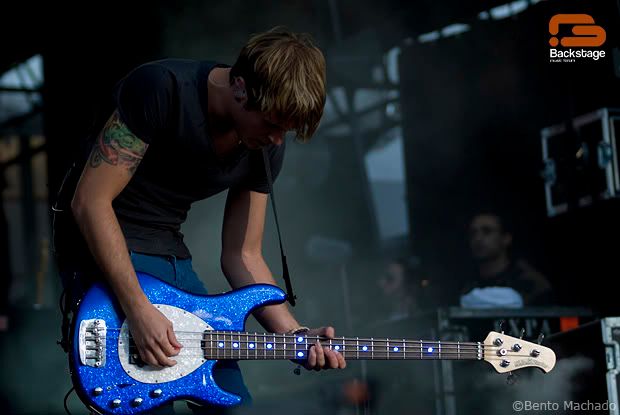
[(405, 290), (397, 297), (500, 279)]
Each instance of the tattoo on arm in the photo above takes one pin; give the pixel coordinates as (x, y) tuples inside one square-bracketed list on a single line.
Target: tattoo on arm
[(116, 145)]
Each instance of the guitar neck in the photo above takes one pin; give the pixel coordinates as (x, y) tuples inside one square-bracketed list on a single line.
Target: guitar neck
[(221, 345)]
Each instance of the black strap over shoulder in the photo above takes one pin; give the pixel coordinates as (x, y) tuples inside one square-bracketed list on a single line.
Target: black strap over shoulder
[(67, 308), (285, 274), (65, 329)]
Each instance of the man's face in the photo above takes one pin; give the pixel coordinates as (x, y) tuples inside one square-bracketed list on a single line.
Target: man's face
[(257, 130), (487, 239)]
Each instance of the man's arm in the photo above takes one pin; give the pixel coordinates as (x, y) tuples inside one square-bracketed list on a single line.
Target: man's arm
[(242, 263), (113, 160), (242, 259)]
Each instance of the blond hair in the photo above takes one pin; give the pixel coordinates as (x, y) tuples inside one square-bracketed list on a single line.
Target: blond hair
[(284, 74)]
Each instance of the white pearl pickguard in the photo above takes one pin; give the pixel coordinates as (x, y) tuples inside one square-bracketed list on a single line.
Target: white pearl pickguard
[(189, 330)]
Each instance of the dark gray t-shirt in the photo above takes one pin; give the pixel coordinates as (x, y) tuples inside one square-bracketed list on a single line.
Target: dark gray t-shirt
[(164, 103)]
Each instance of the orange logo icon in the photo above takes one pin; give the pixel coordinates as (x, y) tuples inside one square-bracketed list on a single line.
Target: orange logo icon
[(587, 33)]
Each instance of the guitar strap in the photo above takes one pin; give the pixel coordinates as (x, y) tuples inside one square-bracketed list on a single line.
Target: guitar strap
[(285, 274), (68, 306)]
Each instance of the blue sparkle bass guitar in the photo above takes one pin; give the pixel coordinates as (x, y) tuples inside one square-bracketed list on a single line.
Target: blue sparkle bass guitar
[(110, 378)]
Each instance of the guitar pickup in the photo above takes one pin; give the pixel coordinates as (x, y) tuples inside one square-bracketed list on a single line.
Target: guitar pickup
[(203, 344), (92, 342), (134, 355)]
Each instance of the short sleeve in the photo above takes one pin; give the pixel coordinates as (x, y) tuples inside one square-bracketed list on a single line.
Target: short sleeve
[(257, 178), (144, 99)]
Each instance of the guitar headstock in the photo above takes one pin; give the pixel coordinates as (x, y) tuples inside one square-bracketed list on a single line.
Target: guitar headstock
[(506, 353)]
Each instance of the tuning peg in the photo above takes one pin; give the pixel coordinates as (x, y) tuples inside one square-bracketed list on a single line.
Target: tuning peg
[(522, 333), (501, 326), (541, 336), (511, 379)]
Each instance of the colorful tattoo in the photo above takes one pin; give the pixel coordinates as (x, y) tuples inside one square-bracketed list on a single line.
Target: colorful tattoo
[(116, 145)]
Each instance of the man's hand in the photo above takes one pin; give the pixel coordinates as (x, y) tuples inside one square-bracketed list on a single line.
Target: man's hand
[(322, 357), (153, 335)]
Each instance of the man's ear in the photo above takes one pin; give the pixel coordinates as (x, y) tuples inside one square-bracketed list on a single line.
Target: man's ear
[(239, 90)]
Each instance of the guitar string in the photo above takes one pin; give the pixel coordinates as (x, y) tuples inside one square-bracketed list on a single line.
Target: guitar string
[(350, 354), (413, 344), (386, 350), (291, 355), (417, 352), (209, 336), (259, 343), (271, 351), (408, 344), (341, 349), (351, 357), (350, 348)]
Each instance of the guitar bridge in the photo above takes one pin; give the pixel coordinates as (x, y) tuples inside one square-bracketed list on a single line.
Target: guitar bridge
[(92, 338)]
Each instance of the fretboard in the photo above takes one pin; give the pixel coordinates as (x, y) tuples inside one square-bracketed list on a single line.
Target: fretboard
[(221, 345)]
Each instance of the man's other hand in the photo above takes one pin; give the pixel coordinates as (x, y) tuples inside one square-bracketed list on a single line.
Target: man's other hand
[(321, 357)]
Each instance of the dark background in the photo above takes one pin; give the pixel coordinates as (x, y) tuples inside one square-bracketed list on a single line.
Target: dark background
[(471, 108), (475, 106)]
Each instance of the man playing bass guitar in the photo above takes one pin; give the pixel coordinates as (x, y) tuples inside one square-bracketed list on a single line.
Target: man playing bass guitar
[(183, 131)]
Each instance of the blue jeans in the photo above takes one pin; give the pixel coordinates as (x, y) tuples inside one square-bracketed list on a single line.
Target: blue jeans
[(180, 273)]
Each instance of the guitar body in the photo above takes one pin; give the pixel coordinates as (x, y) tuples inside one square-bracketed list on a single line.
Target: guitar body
[(107, 373)]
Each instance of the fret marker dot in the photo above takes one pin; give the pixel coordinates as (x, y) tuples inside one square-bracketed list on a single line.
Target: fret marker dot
[(300, 339), (251, 345), (269, 346), (337, 347), (395, 349), (235, 344), (430, 350), (220, 344), (300, 354), (365, 348)]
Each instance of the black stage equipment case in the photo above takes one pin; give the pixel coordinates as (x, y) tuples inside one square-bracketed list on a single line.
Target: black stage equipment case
[(580, 158)]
